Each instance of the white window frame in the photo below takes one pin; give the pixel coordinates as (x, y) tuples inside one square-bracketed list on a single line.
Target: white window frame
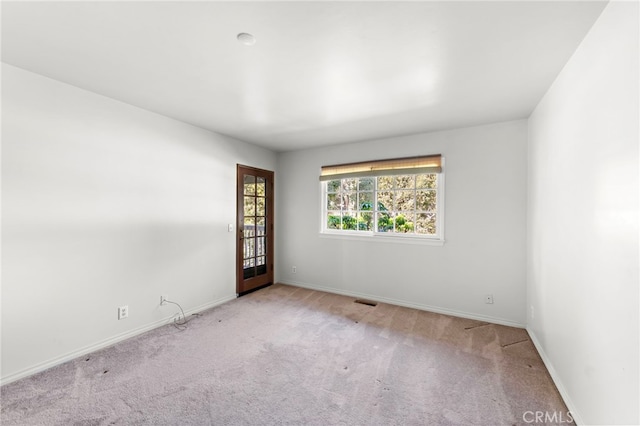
[(374, 235)]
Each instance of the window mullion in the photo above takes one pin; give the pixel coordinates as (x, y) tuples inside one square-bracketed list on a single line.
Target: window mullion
[(375, 205), (394, 206), (415, 206)]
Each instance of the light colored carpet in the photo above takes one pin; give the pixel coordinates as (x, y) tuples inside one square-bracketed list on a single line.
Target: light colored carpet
[(286, 355)]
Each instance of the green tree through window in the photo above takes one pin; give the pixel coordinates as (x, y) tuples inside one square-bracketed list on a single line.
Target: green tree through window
[(399, 204)]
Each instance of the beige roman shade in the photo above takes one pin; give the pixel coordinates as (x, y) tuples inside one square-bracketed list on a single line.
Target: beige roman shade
[(395, 166)]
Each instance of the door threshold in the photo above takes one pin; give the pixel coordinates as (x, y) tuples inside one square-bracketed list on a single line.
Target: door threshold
[(244, 293)]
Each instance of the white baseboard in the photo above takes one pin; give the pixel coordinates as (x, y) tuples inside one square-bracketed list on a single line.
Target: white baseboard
[(406, 304), (107, 342), (556, 379)]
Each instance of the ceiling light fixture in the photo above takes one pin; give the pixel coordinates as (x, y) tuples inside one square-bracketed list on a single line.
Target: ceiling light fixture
[(246, 39)]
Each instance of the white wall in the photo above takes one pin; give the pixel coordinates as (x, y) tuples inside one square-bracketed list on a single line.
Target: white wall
[(583, 223), (105, 204), (485, 227)]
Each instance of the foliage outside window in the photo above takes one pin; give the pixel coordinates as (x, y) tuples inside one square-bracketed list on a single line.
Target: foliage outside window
[(390, 204)]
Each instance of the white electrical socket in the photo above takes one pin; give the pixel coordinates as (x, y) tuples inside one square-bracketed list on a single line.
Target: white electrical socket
[(123, 312), (488, 299), (294, 269), (163, 299)]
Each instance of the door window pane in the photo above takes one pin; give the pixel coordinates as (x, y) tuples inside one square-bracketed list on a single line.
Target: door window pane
[(249, 206), (260, 221), (260, 207), (249, 185), (261, 187), (249, 227)]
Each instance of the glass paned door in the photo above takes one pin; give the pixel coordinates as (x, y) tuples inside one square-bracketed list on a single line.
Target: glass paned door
[(255, 228)]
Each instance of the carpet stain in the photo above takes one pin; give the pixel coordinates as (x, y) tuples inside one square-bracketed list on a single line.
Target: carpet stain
[(366, 302), (477, 326), (515, 343)]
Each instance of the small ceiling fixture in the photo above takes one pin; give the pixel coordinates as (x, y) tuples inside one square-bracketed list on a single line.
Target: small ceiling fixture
[(246, 39)]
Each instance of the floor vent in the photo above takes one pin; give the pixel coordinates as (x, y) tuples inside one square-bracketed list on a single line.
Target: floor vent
[(366, 302)]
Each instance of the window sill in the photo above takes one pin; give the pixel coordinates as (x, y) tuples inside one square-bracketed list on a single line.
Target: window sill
[(382, 238)]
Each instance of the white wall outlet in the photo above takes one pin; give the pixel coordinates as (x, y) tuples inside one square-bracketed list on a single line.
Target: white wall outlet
[(230, 227), (532, 312), (163, 299), (123, 312), (488, 299), (294, 270)]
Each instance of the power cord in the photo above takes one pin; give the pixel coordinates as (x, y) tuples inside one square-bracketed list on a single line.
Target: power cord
[(181, 324)]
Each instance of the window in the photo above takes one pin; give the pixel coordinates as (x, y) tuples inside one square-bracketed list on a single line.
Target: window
[(400, 197)]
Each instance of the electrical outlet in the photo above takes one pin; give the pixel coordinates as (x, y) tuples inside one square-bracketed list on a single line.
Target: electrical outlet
[(488, 299), (163, 299), (294, 269), (123, 312), (532, 312)]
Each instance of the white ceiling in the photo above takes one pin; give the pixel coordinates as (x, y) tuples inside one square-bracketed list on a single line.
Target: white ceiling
[(320, 72)]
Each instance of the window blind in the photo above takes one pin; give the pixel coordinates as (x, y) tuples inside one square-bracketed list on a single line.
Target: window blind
[(395, 166)]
